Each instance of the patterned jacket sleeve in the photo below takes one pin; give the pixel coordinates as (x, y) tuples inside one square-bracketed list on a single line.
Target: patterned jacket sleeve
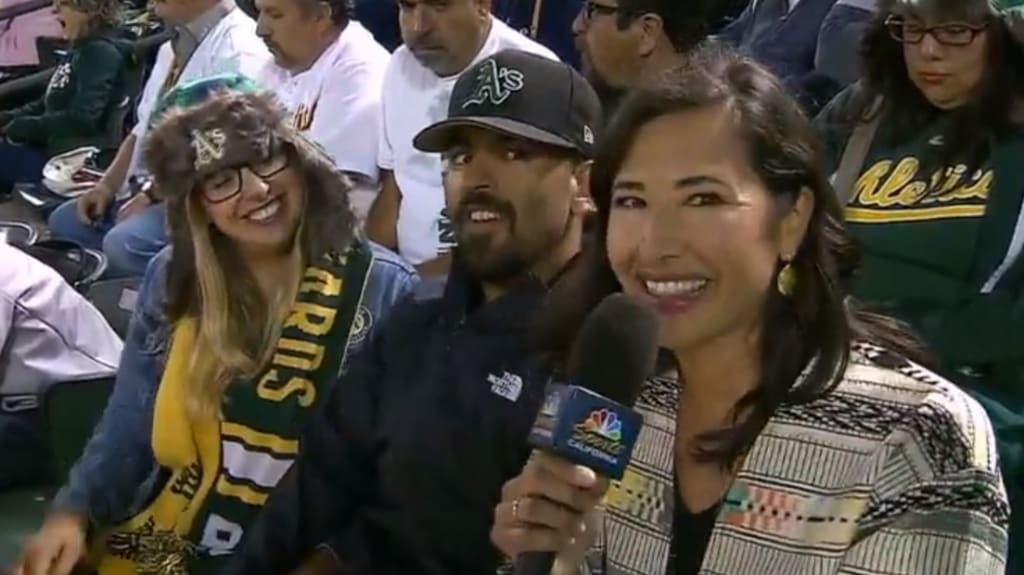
[(938, 506)]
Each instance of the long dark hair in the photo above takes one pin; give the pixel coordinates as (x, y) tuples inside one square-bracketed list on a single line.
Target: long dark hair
[(991, 113), (818, 322)]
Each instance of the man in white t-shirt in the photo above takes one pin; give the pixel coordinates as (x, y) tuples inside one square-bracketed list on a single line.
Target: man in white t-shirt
[(211, 37), (49, 334), (441, 40), (336, 70)]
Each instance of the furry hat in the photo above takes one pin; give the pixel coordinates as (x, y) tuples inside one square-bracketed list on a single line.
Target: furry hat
[(208, 125), (1010, 12)]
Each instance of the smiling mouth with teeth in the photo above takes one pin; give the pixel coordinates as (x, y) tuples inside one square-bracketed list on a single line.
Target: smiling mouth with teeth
[(483, 216), (266, 212), (675, 288)]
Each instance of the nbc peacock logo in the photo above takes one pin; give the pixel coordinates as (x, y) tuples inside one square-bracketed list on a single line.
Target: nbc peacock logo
[(604, 422)]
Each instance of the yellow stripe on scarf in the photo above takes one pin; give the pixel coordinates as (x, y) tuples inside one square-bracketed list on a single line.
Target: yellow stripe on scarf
[(184, 446)]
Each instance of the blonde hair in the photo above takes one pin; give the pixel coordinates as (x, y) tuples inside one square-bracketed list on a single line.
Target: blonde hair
[(226, 345)]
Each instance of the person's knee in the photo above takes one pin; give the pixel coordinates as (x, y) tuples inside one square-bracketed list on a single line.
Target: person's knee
[(65, 224), (130, 245)]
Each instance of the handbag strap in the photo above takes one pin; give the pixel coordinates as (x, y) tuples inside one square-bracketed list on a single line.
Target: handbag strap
[(856, 152)]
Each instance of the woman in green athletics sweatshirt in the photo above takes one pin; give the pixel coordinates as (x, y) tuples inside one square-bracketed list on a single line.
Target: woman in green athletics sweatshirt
[(937, 198), (84, 93)]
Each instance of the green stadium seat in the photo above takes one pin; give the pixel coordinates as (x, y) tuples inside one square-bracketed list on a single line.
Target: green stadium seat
[(72, 411), (21, 514), (115, 298)]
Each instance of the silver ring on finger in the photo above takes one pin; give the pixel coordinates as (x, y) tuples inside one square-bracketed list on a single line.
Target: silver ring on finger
[(515, 509)]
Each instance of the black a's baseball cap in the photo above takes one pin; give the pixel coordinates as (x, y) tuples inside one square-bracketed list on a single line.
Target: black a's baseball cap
[(524, 95)]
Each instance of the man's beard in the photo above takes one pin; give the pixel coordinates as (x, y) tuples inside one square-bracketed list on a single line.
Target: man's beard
[(488, 258)]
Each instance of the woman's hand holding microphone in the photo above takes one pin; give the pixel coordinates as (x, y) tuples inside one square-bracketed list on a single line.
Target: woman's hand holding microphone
[(551, 506)]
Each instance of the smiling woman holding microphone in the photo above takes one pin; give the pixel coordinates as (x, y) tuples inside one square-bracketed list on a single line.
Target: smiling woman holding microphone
[(805, 439)]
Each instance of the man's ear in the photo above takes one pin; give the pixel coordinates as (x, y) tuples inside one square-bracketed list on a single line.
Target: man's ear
[(582, 202), (651, 28), (483, 8), (324, 13)]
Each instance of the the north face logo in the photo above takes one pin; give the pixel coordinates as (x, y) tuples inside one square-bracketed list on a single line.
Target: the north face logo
[(494, 85)]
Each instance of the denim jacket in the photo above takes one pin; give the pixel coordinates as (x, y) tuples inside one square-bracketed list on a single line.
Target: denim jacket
[(118, 474)]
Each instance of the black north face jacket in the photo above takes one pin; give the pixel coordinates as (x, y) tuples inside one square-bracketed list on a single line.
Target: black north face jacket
[(402, 470)]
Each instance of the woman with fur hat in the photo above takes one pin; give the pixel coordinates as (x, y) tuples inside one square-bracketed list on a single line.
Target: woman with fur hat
[(927, 152), (81, 99), (241, 332)]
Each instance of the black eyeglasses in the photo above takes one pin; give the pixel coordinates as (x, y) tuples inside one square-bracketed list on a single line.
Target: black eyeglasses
[(590, 8), (226, 184), (952, 34)]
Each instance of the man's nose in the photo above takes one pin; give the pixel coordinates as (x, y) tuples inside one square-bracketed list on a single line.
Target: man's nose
[(419, 22)]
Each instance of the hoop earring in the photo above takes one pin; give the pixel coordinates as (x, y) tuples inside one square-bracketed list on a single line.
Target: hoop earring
[(786, 280)]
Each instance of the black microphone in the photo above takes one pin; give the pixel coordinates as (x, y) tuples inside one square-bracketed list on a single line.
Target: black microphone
[(590, 421)]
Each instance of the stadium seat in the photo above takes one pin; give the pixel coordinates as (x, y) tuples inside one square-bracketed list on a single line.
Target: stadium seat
[(72, 411), (19, 233), (115, 298), (22, 515)]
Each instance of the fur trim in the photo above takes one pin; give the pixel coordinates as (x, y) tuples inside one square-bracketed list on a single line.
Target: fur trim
[(226, 131)]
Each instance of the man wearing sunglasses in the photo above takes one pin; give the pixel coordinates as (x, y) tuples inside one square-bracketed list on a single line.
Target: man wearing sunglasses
[(621, 42)]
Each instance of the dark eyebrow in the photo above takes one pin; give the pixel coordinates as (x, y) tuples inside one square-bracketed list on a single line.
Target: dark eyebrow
[(687, 182)]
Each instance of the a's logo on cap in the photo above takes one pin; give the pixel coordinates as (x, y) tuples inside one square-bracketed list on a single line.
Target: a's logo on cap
[(588, 135), (208, 146), (494, 85)]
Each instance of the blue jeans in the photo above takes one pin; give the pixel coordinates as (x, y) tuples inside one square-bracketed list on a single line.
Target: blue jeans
[(128, 245), (20, 163)]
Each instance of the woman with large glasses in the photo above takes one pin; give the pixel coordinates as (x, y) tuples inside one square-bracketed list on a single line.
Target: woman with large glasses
[(240, 334), (928, 154)]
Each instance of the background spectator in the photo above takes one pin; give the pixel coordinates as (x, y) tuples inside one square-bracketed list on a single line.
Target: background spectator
[(210, 37), (18, 35), (49, 334), (623, 42), (441, 41), (841, 39), (82, 102), (783, 35), (333, 88), (927, 151)]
